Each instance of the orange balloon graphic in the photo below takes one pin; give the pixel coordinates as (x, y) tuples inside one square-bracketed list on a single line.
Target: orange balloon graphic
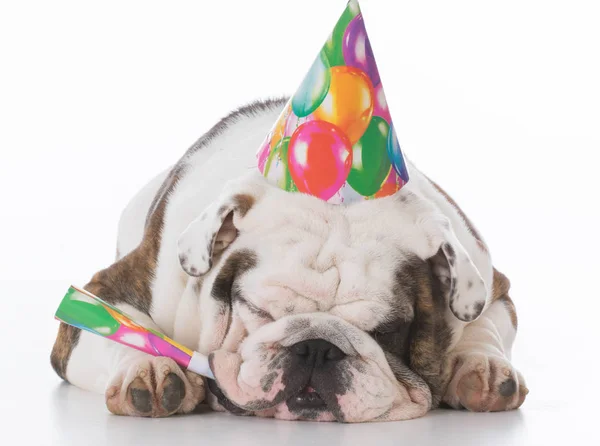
[(349, 103)]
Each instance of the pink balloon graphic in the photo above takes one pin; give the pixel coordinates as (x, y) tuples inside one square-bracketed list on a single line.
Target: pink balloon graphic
[(381, 107), (319, 158), (263, 153), (357, 50)]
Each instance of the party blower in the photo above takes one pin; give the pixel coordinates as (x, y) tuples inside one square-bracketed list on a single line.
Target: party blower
[(82, 309)]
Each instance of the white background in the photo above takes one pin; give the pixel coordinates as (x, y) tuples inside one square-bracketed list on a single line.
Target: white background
[(497, 101)]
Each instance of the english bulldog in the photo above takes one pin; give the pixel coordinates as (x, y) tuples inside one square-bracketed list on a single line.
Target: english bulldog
[(378, 310)]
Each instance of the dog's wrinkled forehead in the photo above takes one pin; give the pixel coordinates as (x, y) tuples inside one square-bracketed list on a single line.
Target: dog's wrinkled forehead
[(286, 253), (314, 257)]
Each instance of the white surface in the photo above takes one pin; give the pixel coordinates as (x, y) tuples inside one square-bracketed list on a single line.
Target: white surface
[(498, 102)]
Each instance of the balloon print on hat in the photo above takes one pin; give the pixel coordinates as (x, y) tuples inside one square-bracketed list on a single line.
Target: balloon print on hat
[(349, 102), (357, 49), (395, 154), (381, 108), (333, 46), (314, 87), (279, 129), (320, 158), (390, 186), (276, 167), (335, 139), (263, 153), (370, 162)]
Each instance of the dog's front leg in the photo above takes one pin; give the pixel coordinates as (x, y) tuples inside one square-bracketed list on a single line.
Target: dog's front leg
[(133, 382), (481, 376)]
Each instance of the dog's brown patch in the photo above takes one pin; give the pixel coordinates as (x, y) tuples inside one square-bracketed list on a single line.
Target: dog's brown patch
[(66, 340), (236, 264), (243, 203), (430, 335), (125, 281), (128, 279), (500, 288)]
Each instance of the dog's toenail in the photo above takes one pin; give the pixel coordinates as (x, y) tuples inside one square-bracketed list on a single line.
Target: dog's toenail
[(173, 392), (508, 387)]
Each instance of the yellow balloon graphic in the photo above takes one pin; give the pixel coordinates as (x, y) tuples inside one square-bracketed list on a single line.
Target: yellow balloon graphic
[(349, 102)]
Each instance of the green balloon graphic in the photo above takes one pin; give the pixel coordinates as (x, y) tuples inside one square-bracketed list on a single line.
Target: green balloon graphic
[(370, 162), (87, 315), (277, 166), (333, 46), (314, 87)]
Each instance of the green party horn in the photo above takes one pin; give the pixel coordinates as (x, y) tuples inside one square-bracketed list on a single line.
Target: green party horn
[(83, 310)]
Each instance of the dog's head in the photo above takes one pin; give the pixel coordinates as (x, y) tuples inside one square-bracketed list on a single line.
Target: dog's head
[(327, 312)]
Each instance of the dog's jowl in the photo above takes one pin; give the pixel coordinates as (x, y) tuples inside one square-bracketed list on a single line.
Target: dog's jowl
[(378, 310)]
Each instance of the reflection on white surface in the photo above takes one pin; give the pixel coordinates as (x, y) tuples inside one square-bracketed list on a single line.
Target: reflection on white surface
[(36, 405), (77, 417)]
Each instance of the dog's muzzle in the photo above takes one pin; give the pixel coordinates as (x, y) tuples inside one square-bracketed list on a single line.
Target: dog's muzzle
[(305, 365)]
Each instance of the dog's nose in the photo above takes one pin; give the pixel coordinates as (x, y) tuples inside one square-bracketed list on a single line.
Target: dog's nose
[(317, 352)]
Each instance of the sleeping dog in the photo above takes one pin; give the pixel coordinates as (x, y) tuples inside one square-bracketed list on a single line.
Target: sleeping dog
[(379, 310)]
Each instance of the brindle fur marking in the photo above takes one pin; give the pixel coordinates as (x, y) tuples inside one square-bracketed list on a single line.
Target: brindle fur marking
[(125, 281), (429, 334), (128, 279), (500, 289)]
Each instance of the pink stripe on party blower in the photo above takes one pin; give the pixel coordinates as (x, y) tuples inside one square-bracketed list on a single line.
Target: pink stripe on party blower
[(83, 310)]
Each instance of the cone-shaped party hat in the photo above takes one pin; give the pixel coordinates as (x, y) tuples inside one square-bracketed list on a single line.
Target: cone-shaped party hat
[(335, 138)]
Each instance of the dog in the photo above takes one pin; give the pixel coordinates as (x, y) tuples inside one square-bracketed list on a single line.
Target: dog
[(373, 311)]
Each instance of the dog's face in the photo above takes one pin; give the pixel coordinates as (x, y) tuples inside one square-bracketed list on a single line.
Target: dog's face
[(325, 312)]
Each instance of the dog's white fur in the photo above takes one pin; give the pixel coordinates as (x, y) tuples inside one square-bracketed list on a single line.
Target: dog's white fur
[(421, 223)]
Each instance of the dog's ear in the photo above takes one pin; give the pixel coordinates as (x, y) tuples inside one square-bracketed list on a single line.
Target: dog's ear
[(458, 278), (209, 234), (434, 240)]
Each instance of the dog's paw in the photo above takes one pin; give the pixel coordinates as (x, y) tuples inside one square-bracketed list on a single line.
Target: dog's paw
[(153, 387), (485, 383)]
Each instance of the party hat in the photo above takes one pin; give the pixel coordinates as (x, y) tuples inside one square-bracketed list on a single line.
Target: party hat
[(335, 138)]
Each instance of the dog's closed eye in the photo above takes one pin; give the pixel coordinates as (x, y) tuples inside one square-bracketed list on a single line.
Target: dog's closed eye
[(393, 337)]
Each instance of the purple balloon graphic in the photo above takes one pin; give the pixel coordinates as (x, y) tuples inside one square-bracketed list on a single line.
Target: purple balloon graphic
[(357, 51)]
